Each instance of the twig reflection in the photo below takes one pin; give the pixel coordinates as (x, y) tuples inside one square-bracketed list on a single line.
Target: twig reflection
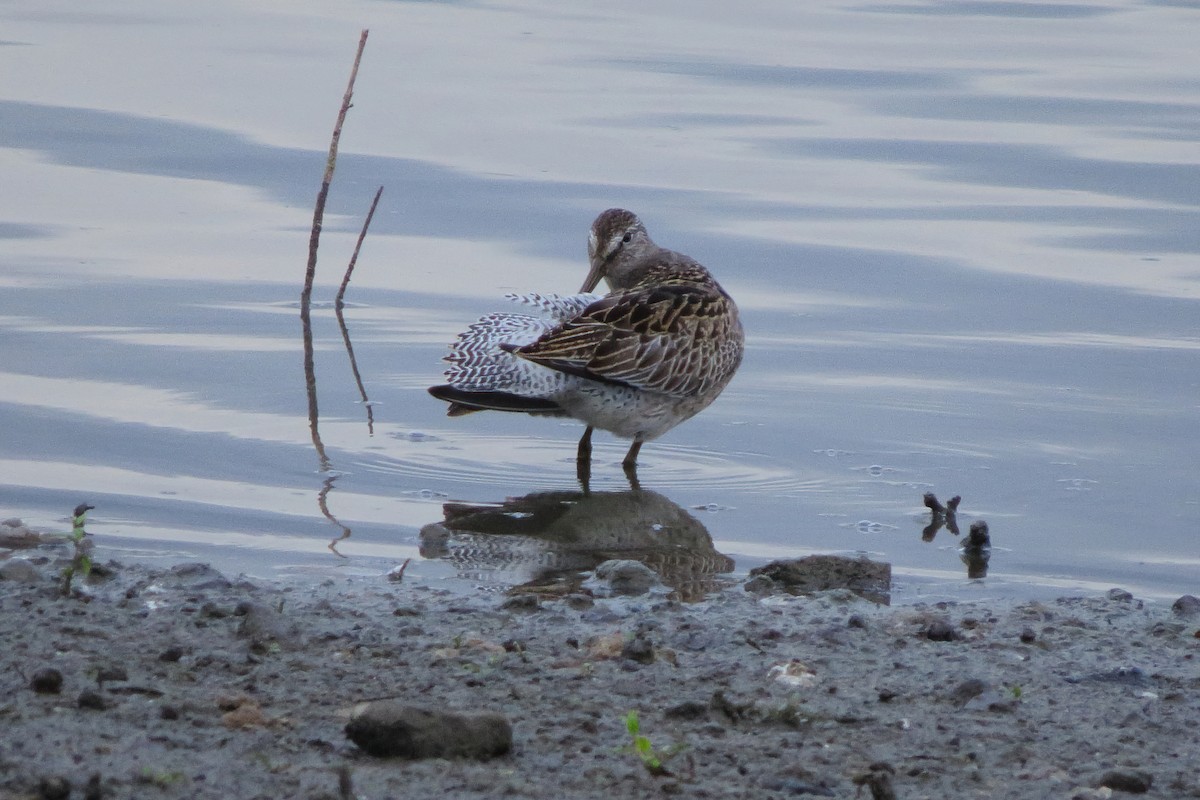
[(976, 548), (362, 390), (322, 503)]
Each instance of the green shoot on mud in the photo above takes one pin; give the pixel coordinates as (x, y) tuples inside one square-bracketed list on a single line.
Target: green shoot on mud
[(642, 747), (81, 561)]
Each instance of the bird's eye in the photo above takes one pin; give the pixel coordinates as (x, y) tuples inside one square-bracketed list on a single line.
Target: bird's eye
[(627, 238)]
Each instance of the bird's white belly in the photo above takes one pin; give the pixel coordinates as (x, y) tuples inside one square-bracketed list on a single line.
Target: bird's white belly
[(626, 412)]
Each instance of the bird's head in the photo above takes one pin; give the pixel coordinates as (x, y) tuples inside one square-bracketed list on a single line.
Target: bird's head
[(618, 242)]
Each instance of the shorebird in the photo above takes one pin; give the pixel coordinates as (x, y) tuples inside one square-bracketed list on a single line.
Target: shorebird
[(653, 352)]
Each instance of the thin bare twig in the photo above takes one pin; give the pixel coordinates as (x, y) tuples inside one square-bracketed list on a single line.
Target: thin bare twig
[(357, 246), (319, 211)]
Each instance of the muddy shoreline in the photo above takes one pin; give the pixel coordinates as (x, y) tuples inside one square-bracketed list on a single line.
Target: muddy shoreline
[(184, 683)]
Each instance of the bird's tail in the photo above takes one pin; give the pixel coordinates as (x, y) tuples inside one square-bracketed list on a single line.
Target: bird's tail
[(464, 401), (484, 373)]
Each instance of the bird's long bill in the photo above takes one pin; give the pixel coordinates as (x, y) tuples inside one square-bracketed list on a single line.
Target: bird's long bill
[(594, 275)]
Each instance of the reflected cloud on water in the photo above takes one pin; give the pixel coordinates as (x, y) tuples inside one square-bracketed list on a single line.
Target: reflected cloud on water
[(546, 540)]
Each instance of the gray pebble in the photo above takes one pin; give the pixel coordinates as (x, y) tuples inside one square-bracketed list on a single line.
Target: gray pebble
[(19, 570), (91, 699), (266, 628), (1134, 781), (14, 534), (579, 601), (760, 585), (626, 577), (967, 690), (195, 576), (1186, 606)]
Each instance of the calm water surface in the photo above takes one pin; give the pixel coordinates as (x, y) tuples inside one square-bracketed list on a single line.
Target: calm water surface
[(964, 238)]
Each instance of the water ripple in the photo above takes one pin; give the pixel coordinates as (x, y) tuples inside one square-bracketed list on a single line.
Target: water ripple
[(487, 460)]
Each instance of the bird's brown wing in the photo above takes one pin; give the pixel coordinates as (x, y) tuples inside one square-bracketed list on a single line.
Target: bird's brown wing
[(672, 339)]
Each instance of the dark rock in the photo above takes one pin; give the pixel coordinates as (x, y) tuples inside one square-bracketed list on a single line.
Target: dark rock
[(94, 789), (688, 709), (103, 572), (1126, 676), (857, 621), (1119, 595), (1028, 636), (91, 699), (171, 654), (55, 787), (639, 649), (111, 673), (887, 695), (799, 786), (1186, 606), (871, 580), (877, 778), (47, 680), (626, 577), (168, 712), (395, 728), (19, 570), (1134, 781), (521, 602), (939, 630), (730, 708), (211, 610), (978, 537)]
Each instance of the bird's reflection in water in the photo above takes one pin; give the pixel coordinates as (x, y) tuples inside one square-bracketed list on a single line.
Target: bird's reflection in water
[(545, 540)]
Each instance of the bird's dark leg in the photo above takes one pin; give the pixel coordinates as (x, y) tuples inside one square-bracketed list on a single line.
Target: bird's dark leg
[(631, 457), (584, 453), (583, 460), (632, 476), (630, 462)]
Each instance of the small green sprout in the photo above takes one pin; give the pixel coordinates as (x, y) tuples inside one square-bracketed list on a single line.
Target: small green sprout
[(159, 777), (81, 562), (642, 747)]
